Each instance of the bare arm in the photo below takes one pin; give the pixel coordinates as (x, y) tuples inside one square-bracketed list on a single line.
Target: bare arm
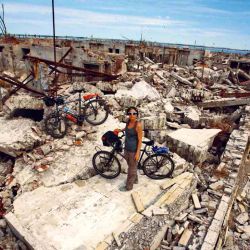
[(139, 134)]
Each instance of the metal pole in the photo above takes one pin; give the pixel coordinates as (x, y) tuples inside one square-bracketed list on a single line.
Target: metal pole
[(54, 38), (1, 100)]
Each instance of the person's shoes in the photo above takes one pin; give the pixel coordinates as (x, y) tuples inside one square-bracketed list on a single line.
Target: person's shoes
[(125, 189)]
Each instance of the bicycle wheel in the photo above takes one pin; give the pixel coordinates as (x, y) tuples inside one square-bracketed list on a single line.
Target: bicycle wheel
[(158, 166), (106, 164), (56, 125), (96, 112)]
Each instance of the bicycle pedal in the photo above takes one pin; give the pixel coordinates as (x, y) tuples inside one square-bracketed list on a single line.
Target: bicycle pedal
[(80, 118), (79, 123)]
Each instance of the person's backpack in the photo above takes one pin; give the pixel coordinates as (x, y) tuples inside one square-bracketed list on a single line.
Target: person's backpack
[(110, 139)]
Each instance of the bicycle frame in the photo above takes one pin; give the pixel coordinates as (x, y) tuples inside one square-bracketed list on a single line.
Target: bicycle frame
[(81, 103), (144, 151)]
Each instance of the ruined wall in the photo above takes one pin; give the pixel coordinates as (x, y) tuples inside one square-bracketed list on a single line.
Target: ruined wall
[(195, 54)]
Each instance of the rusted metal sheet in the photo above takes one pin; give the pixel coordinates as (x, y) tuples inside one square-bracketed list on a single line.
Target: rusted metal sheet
[(246, 83), (64, 56), (234, 94), (13, 91)]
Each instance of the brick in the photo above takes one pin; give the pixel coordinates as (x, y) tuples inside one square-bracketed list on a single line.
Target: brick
[(181, 217), (137, 201), (158, 238), (149, 211), (109, 239), (176, 194), (135, 218), (186, 224), (219, 215), (102, 246), (214, 192), (166, 195), (195, 218), (211, 237), (196, 201), (116, 239), (179, 179), (242, 208), (159, 211), (181, 230), (186, 183), (207, 246), (201, 211), (223, 206), (215, 225), (185, 237)]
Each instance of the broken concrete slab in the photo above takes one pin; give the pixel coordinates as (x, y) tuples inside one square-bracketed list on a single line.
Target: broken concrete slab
[(192, 116), (23, 101), (225, 102), (68, 162), (141, 90), (242, 218), (63, 209), (154, 122), (175, 198), (17, 136), (181, 79), (191, 144)]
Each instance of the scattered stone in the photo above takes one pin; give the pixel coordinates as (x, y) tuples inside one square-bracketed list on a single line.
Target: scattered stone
[(242, 218), (185, 237), (196, 201)]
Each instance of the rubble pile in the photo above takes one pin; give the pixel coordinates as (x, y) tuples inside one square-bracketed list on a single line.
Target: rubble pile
[(201, 113)]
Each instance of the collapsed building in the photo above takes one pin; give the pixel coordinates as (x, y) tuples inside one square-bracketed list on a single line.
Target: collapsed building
[(195, 102)]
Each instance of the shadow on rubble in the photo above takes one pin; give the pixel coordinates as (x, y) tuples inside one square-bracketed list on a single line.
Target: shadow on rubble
[(35, 115)]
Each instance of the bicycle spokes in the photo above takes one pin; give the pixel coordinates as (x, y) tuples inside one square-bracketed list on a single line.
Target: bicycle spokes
[(158, 166)]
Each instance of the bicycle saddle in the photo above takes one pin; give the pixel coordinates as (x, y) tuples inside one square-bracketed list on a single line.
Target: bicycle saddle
[(149, 143), (77, 91)]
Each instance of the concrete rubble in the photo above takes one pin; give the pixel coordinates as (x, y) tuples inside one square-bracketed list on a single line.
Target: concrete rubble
[(50, 195)]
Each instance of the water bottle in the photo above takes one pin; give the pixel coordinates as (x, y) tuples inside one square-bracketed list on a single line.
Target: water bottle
[(69, 111), (69, 115)]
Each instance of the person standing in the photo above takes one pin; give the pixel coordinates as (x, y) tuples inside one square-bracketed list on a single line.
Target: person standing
[(133, 141)]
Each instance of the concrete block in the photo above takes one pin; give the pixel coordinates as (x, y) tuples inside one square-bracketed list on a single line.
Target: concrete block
[(191, 144), (211, 237), (116, 238), (136, 218), (196, 201), (185, 237), (102, 246), (158, 238), (137, 201)]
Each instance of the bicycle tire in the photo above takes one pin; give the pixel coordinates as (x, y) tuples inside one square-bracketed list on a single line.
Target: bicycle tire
[(92, 109), (101, 169), (154, 173), (53, 125)]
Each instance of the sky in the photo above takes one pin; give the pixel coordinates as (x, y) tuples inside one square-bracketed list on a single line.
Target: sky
[(219, 23)]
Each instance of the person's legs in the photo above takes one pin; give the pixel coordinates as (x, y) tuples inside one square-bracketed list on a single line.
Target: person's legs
[(132, 170)]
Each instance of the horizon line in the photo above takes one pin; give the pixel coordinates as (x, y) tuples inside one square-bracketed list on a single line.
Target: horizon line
[(123, 40)]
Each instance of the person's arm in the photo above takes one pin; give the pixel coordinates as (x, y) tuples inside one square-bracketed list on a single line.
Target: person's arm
[(139, 134)]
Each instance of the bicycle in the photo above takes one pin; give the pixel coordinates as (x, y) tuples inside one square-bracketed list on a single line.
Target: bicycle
[(91, 107), (157, 165)]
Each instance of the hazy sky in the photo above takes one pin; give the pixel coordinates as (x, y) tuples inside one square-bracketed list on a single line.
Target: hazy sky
[(220, 23)]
